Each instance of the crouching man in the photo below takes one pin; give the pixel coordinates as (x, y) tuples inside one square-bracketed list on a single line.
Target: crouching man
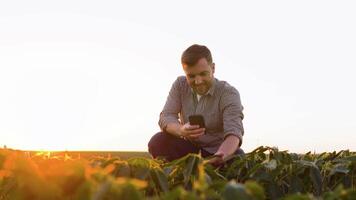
[(199, 93)]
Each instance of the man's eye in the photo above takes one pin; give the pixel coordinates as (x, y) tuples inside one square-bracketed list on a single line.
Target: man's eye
[(204, 73)]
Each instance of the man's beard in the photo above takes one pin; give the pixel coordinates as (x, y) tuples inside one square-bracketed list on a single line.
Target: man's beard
[(201, 89)]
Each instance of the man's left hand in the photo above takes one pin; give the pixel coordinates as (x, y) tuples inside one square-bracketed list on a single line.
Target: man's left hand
[(217, 160)]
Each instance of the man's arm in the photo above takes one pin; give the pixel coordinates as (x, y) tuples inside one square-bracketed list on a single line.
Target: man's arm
[(174, 129), (168, 119), (232, 120), (229, 146)]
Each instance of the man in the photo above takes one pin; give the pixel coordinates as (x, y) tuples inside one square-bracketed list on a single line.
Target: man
[(198, 92)]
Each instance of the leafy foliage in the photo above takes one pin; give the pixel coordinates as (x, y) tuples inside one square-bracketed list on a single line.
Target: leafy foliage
[(265, 173)]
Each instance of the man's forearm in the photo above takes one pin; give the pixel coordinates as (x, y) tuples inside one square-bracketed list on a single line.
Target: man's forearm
[(229, 146), (173, 129)]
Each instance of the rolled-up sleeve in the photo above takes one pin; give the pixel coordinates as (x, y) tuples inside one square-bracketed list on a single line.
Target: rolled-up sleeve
[(232, 113), (172, 107)]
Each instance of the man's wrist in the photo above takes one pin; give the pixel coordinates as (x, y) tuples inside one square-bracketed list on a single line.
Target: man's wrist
[(174, 129), (219, 154), (180, 135), (179, 132)]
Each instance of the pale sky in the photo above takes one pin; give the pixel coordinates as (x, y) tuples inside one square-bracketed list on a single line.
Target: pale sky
[(94, 75)]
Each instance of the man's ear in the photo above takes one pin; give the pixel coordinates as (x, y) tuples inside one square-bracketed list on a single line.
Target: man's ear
[(213, 67), (184, 67)]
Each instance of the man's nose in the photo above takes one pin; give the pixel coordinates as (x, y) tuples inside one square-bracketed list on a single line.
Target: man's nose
[(198, 80)]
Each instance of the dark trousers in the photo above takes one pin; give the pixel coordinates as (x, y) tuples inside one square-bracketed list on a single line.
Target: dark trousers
[(167, 146)]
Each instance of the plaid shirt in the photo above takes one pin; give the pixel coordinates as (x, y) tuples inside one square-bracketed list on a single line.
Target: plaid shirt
[(221, 108)]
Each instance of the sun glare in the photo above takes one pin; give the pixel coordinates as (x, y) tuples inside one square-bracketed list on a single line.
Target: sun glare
[(43, 154)]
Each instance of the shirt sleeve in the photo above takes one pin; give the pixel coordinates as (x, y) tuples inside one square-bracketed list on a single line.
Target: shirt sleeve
[(232, 114), (172, 107)]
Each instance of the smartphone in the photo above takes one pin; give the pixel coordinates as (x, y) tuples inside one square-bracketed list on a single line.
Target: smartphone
[(197, 120)]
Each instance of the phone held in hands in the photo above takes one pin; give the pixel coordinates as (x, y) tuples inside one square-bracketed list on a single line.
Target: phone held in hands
[(197, 120)]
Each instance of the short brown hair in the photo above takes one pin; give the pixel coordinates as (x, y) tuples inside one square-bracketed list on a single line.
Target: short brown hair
[(194, 53)]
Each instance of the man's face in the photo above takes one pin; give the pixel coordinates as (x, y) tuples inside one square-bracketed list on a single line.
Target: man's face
[(200, 76)]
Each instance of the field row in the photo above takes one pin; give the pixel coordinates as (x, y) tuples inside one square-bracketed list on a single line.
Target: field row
[(264, 173)]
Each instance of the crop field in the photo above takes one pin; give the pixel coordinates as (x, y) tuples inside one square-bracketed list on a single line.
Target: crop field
[(123, 155), (265, 173)]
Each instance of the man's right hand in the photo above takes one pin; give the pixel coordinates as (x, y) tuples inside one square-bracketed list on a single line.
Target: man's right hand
[(191, 131)]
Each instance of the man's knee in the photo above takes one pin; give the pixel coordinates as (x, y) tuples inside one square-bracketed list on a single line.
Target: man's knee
[(165, 145), (157, 141)]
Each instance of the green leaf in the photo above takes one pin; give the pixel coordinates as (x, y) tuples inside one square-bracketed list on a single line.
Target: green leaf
[(316, 179), (270, 165), (235, 191), (273, 191), (299, 197), (190, 168), (129, 191), (339, 168), (122, 169), (140, 167), (160, 179), (255, 190), (350, 158), (296, 185), (252, 171)]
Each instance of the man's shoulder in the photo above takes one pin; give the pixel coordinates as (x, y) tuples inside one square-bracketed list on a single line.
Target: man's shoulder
[(225, 87), (228, 94), (181, 79), (180, 82)]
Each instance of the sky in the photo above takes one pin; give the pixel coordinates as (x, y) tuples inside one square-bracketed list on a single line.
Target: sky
[(94, 75)]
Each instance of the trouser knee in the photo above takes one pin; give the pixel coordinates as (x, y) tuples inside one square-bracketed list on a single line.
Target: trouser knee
[(165, 145), (156, 142)]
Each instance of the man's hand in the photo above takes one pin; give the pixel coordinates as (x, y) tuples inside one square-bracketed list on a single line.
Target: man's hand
[(217, 160), (191, 131)]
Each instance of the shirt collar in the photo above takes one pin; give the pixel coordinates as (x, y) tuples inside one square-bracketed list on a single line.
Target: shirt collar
[(212, 88)]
